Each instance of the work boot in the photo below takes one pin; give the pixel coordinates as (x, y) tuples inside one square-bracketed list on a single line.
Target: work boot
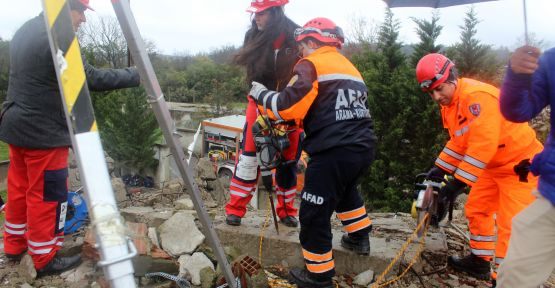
[(233, 220), (471, 264), (289, 221), (15, 257), (303, 279), (358, 245), (59, 264)]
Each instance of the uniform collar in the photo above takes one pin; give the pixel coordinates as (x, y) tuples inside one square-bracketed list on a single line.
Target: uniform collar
[(324, 49)]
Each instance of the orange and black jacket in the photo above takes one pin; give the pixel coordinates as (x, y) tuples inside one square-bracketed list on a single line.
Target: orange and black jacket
[(328, 98), (480, 137)]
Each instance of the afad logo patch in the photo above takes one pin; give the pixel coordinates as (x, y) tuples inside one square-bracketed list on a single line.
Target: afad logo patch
[(475, 109)]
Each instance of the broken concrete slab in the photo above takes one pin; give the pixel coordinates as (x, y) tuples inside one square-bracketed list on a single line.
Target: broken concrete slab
[(135, 214), (285, 247), (364, 278), (179, 235), (184, 204), (192, 265), (151, 217), (146, 264), (26, 269)]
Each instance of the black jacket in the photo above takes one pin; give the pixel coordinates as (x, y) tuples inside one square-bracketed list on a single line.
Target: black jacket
[(329, 97), (33, 115)]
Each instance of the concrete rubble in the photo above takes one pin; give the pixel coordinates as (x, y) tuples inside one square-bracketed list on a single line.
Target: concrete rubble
[(163, 224)]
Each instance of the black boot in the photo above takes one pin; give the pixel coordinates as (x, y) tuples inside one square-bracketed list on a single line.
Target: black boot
[(59, 264), (471, 264), (15, 257), (303, 279), (357, 245), (289, 221), (233, 220)]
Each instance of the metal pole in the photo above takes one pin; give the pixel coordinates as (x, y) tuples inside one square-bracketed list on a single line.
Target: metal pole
[(156, 98), (116, 250)]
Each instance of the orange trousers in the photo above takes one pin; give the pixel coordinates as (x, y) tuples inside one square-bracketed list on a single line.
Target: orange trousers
[(37, 202), (245, 177), (493, 202)]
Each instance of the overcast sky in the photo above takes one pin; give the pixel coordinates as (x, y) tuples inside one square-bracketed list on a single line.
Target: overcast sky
[(191, 26)]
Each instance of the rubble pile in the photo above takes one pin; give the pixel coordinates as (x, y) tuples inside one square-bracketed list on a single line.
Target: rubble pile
[(163, 224)]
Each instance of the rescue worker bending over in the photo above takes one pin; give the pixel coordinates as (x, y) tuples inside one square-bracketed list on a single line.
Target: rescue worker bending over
[(268, 54), (34, 126), (482, 152), (328, 97)]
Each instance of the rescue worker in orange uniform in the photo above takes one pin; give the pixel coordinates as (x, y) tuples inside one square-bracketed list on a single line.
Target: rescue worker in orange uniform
[(328, 97), (482, 152), (269, 53)]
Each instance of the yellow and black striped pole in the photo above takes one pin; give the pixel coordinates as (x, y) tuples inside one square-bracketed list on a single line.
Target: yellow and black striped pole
[(115, 249), (70, 66)]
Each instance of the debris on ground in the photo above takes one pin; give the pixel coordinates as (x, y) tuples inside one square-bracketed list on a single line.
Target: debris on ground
[(164, 226)]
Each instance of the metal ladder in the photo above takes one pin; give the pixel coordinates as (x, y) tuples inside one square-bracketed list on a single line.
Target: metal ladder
[(116, 249)]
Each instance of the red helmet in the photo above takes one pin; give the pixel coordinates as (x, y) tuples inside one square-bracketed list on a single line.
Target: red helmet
[(323, 30), (432, 70), (261, 5), (85, 3)]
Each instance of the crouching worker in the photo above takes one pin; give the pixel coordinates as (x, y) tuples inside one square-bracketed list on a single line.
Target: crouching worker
[(484, 151), (328, 98), (34, 126)]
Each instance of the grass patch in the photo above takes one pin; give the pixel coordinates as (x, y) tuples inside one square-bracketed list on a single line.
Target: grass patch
[(4, 151)]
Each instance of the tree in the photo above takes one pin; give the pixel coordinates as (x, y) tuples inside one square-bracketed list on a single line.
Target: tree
[(407, 123), (128, 128), (472, 58), (388, 41), (104, 40), (428, 32), (4, 68), (104, 44)]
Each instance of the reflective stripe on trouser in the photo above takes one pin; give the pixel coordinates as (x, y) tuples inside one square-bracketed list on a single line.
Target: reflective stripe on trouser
[(501, 193), (245, 177), (354, 220), (37, 196), (330, 186)]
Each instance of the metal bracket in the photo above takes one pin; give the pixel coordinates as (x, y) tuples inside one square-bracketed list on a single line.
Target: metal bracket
[(132, 253)]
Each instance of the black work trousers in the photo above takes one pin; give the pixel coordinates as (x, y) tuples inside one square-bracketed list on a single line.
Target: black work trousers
[(331, 182)]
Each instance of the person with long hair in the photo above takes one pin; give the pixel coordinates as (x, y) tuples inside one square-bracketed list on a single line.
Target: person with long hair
[(268, 54)]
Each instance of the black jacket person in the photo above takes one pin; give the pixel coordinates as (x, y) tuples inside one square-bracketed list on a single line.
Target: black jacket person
[(34, 126), (328, 97)]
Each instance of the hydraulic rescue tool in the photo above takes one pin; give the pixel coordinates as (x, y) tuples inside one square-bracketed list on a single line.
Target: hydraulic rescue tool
[(431, 198), (270, 138), (426, 201)]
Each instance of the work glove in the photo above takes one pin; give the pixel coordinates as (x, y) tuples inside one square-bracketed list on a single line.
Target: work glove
[(447, 196), (522, 169), (256, 90), (436, 174)]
